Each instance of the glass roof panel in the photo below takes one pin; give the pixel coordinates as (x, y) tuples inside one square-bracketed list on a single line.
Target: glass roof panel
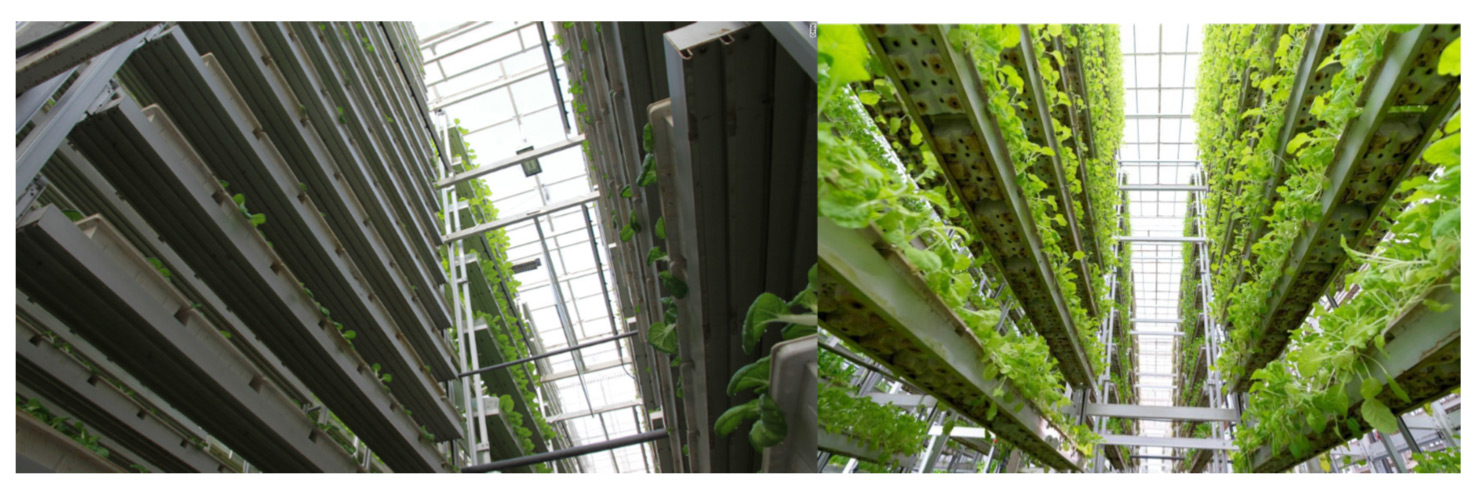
[(595, 388), (1160, 71)]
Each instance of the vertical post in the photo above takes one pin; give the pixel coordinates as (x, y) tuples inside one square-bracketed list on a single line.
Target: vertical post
[(1398, 463), (1407, 435)]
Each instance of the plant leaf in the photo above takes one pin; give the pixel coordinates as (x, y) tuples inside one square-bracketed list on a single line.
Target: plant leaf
[(664, 337), (1379, 415), (763, 310), (737, 416), (677, 287), (753, 375)]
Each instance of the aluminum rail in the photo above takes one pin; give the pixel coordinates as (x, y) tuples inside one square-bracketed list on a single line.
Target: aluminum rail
[(41, 449), (362, 115), (40, 65), (980, 171), (52, 128), (314, 94), (875, 300), (547, 354), (410, 293), (93, 194), (1161, 413), (220, 126), (1077, 238), (142, 323), (514, 161), (45, 370), (1164, 187), (482, 228), (1421, 352), (566, 453), (1358, 186), (149, 162), (1161, 239), (1168, 442)]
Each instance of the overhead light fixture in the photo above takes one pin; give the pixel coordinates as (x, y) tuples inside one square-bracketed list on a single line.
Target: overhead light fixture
[(531, 166), (530, 265)]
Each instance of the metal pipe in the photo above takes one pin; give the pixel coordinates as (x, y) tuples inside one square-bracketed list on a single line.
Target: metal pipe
[(1163, 187), (569, 452), (547, 354), (549, 63), (1161, 239)]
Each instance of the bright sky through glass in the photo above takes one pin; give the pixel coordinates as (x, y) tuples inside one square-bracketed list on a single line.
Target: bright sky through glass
[(1160, 73), (500, 90)]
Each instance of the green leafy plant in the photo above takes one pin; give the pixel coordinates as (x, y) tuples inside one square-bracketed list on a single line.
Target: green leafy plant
[(767, 309)]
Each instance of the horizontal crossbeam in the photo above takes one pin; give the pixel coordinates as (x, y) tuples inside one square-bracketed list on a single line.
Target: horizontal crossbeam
[(1168, 442), (1161, 413)]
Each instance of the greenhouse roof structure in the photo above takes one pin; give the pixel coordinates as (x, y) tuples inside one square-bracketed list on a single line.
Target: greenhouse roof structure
[(1139, 248)]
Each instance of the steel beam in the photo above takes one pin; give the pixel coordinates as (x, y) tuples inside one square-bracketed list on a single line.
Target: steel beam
[(1168, 442), (48, 61), (1157, 116), (513, 161), (1163, 187), (882, 290), (566, 453), (547, 354), (1161, 239), (969, 138), (483, 228), (902, 400), (1161, 413), (38, 146)]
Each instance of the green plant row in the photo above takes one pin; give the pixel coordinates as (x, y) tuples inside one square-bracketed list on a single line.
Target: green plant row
[(1307, 385), (73, 429), (1100, 61), (1298, 202), (862, 184), (884, 429), (511, 343), (1239, 164), (1003, 89)]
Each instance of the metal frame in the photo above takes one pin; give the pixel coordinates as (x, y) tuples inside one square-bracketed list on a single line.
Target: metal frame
[(548, 226)]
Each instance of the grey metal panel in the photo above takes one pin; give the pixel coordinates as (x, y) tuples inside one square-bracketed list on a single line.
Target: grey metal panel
[(1166, 413), (65, 53), (39, 448), (104, 408), (52, 128), (1169, 442), (398, 279), (800, 41), (793, 385), (86, 185), (724, 82), (216, 123), (142, 154), (148, 328)]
